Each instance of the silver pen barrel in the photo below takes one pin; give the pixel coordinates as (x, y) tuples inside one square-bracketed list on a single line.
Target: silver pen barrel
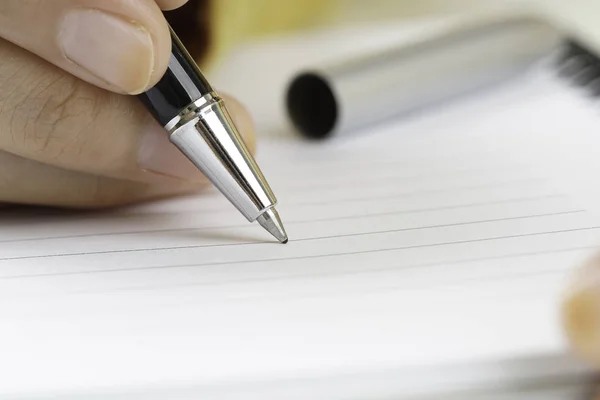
[(344, 96), (205, 133), (197, 122)]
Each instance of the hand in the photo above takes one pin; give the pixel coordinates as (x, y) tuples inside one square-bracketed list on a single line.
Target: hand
[(581, 311), (69, 135)]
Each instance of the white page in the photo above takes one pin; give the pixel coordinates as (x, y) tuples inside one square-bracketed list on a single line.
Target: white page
[(426, 257)]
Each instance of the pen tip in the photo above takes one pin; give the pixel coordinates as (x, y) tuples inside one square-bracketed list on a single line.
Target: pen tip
[(272, 223)]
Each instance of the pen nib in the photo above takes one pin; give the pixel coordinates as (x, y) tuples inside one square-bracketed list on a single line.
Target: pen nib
[(272, 223)]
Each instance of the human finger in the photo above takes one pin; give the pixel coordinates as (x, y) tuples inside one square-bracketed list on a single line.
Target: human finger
[(581, 311), (27, 182), (119, 45), (56, 119)]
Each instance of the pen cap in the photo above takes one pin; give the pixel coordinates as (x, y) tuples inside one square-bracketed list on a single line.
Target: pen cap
[(339, 98)]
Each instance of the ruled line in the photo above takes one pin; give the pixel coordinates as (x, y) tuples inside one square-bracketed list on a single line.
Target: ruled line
[(356, 199), (345, 273), (289, 201), (375, 160), (311, 239), (355, 291), (401, 195), (292, 221), (330, 183)]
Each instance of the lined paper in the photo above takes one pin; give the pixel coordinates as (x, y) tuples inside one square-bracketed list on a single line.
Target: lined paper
[(442, 242)]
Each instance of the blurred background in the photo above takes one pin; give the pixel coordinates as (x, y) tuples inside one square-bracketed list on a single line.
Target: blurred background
[(254, 47), (582, 13), (243, 19)]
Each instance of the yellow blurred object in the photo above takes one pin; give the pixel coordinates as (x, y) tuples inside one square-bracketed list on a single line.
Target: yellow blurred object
[(237, 20)]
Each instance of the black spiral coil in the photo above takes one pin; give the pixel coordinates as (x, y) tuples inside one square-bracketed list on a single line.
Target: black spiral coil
[(581, 66)]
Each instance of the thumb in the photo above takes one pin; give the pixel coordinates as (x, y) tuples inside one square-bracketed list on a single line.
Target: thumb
[(122, 46)]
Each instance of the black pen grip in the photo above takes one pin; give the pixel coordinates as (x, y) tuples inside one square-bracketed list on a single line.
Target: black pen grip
[(181, 85)]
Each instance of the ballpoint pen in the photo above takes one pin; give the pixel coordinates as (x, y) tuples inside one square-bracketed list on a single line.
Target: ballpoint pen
[(197, 122)]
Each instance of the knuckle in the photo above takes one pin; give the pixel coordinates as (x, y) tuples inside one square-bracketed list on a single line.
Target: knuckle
[(42, 109), (53, 117), (46, 113), (57, 116)]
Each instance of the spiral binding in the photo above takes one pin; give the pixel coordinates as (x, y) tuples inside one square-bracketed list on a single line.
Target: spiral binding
[(581, 66)]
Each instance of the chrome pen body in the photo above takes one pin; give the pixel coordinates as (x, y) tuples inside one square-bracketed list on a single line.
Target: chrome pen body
[(352, 93), (197, 122)]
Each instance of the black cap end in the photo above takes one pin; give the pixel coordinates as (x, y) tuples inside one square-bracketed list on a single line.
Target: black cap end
[(312, 106)]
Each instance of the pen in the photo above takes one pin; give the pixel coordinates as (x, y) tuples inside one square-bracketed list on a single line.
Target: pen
[(197, 122), (345, 96)]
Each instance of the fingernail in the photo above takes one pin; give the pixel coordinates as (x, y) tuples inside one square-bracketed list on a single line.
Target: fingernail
[(116, 51), (581, 311), (157, 155)]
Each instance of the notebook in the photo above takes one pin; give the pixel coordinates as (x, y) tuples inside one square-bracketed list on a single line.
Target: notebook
[(426, 259)]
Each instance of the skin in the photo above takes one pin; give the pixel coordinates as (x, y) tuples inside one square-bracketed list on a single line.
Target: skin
[(69, 137)]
